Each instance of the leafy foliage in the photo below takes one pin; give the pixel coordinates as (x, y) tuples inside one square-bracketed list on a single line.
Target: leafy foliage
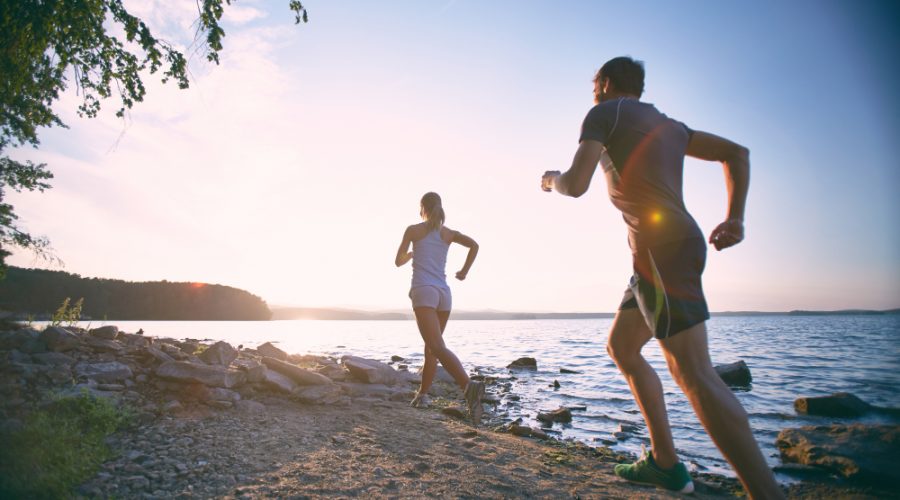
[(67, 314), (44, 43), (61, 445)]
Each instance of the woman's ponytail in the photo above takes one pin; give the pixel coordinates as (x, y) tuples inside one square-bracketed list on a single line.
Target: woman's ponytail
[(433, 210)]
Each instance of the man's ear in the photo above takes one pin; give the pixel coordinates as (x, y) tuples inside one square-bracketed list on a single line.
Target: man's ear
[(606, 85)]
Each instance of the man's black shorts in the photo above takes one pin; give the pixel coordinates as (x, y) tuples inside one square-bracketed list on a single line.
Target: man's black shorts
[(666, 286)]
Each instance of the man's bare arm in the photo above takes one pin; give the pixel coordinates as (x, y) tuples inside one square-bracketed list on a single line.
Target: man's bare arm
[(735, 161), (575, 181)]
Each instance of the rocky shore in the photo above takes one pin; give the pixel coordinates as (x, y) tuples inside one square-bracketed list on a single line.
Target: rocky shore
[(215, 420)]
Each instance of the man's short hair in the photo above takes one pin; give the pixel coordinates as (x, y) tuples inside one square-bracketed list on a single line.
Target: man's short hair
[(626, 75)]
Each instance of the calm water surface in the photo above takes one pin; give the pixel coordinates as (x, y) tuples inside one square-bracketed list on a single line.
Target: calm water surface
[(788, 357)]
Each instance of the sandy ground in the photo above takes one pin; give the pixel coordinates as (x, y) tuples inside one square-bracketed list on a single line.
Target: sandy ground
[(369, 448)]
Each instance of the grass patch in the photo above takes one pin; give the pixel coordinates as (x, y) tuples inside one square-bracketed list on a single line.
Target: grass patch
[(60, 446)]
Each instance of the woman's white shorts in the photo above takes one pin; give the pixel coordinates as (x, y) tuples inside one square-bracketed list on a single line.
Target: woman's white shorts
[(431, 296)]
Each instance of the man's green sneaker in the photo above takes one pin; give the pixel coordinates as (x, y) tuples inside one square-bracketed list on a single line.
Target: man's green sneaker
[(645, 470)]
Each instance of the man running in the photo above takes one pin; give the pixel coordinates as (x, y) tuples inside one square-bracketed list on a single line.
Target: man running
[(642, 154)]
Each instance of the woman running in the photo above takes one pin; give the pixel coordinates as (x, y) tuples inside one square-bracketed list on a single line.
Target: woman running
[(431, 298)]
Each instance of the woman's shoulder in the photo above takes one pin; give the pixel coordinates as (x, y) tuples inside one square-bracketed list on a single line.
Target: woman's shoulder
[(448, 234), (416, 232)]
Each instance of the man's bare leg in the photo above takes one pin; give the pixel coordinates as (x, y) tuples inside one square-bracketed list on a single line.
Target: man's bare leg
[(628, 335), (720, 412)]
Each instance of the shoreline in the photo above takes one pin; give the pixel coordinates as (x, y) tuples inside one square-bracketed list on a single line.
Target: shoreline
[(213, 421)]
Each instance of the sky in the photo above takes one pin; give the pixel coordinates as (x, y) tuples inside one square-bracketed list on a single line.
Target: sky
[(292, 168)]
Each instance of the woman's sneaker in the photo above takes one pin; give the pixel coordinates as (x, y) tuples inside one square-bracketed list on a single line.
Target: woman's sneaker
[(421, 401), (473, 394), (645, 470)]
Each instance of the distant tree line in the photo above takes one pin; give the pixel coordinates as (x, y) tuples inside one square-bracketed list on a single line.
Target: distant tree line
[(37, 293)]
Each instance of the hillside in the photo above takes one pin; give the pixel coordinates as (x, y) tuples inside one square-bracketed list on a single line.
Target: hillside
[(37, 293)]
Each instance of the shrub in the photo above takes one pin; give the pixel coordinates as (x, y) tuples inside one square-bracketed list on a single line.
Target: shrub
[(60, 446)]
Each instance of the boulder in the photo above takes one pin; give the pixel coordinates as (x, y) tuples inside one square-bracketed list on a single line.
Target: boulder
[(558, 415), (17, 338), (271, 351), (356, 389), (735, 374), (108, 332), (214, 376), (454, 411), (441, 375), (58, 339), (134, 340), (53, 358), (220, 394), (103, 345), (397, 359), (298, 375), (278, 382), (157, 354), (112, 371), (256, 371), (321, 394), (525, 362), (250, 406), (860, 452), (370, 371), (334, 372), (220, 353), (520, 430), (841, 404), (566, 370)]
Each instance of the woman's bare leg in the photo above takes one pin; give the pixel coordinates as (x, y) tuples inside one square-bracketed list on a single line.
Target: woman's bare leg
[(430, 367), (431, 329)]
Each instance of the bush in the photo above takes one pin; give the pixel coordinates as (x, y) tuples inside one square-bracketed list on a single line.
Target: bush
[(61, 446)]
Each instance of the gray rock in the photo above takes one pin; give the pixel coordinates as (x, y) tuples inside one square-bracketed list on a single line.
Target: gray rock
[(558, 415), (864, 453), (220, 394), (271, 351), (53, 358), (455, 412), (356, 389), (133, 339), (524, 362), (110, 387), (336, 373), (298, 375), (397, 359), (172, 406), (221, 405), (256, 371), (17, 338), (112, 371), (441, 375), (157, 354), (278, 382), (103, 345), (108, 332), (322, 394), (220, 353), (371, 371), (58, 339), (213, 376), (520, 430), (250, 406), (841, 404), (735, 374)]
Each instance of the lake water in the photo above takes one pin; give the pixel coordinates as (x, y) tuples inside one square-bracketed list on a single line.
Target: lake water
[(789, 356)]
